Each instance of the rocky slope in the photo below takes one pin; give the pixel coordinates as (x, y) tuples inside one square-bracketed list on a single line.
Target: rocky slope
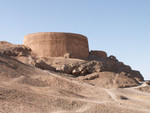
[(108, 68), (30, 84)]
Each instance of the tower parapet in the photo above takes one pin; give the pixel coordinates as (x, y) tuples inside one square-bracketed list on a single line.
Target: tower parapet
[(55, 44)]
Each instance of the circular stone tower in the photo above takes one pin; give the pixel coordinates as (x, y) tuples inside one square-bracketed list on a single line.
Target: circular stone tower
[(55, 44)]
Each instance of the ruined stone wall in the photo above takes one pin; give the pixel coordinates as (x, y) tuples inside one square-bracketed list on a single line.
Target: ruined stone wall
[(53, 44), (99, 54)]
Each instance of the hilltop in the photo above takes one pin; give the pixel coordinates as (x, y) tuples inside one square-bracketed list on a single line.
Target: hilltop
[(98, 84)]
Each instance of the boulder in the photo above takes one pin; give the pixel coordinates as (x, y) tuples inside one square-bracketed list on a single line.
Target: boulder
[(42, 65), (67, 55), (65, 68), (111, 57)]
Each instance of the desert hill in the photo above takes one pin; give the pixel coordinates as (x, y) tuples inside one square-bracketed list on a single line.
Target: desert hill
[(34, 84)]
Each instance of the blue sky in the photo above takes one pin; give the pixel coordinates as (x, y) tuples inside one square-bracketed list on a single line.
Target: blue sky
[(119, 27)]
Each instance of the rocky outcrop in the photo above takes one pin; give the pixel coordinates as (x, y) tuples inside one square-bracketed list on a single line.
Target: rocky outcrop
[(98, 63), (88, 67), (9, 49), (111, 57), (109, 80), (11, 68), (42, 65), (144, 89)]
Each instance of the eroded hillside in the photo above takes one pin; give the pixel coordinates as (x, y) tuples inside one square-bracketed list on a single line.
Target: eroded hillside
[(31, 84)]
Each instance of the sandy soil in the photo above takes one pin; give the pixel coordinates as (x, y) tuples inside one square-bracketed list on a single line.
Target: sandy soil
[(26, 89)]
